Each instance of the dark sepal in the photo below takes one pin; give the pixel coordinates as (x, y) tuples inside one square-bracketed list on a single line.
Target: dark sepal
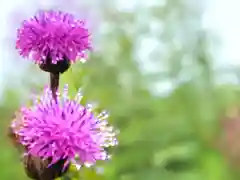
[(39, 169), (60, 67)]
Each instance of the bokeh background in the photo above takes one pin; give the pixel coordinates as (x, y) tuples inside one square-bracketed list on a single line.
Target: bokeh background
[(167, 70)]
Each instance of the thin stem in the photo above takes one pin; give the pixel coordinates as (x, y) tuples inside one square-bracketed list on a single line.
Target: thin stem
[(54, 83)]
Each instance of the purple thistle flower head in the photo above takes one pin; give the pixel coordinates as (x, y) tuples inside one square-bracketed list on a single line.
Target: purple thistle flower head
[(53, 35), (65, 129)]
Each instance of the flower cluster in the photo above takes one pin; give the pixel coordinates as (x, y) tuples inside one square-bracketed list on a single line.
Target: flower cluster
[(57, 130), (53, 36), (65, 129)]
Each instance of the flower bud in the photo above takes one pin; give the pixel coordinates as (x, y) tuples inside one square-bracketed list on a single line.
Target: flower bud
[(39, 169)]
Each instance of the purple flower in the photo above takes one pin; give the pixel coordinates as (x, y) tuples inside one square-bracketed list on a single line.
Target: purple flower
[(53, 34), (65, 129)]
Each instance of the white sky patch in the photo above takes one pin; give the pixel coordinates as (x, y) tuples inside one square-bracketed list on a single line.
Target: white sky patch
[(222, 17)]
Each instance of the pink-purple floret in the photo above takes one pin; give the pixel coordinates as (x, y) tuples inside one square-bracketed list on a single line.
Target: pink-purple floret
[(53, 34), (65, 130)]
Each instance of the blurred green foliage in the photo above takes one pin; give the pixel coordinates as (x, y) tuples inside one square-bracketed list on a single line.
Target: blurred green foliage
[(169, 137)]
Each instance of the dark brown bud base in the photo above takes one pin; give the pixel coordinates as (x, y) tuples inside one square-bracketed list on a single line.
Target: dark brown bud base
[(38, 169), (61, 66)]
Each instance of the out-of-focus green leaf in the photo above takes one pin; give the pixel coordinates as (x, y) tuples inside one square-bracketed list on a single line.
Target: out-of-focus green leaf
[(214, 166)]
